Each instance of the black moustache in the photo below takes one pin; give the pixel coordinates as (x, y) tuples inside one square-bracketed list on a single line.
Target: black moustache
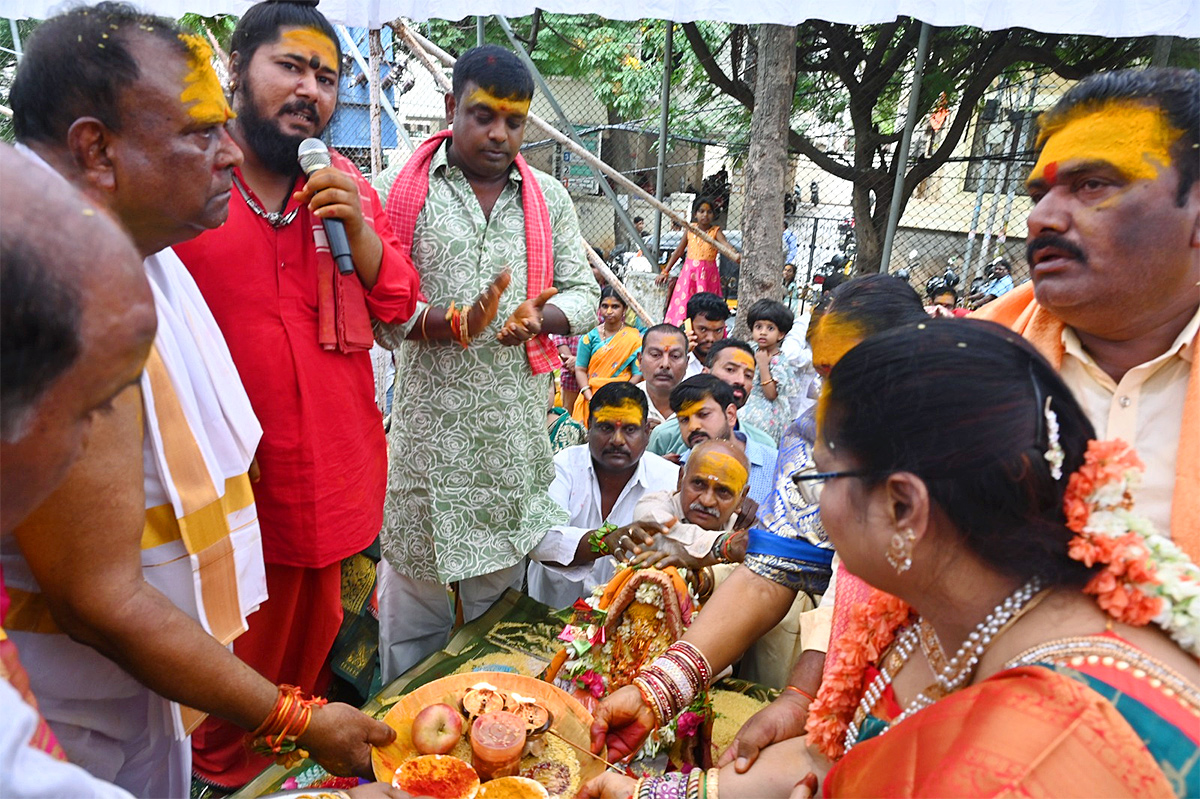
[(1049, 240), (302, 107)]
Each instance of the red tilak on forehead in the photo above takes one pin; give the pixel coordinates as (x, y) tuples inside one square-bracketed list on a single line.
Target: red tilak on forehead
[(1051, 172)]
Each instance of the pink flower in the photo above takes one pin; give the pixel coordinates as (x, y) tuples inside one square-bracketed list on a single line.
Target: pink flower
[(593, 682), (689, 723)]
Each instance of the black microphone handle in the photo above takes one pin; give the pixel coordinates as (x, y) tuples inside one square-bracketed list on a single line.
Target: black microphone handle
[(339, 245)]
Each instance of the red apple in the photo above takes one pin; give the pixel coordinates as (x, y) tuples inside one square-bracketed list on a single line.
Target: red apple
[(437, 729)]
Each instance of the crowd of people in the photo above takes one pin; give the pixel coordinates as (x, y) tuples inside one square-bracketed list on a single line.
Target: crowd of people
[(193, 448)]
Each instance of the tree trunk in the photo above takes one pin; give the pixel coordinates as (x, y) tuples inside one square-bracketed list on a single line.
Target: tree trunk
[(766, 170)]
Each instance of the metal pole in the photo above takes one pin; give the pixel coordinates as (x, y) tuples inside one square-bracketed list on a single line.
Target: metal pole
[(480, 23), (569, 129), (985, 172), (1027, 113), (663, 122), (16, 37), (910, 122), (812, 255), (1159, 58), (383, 100), (985, 247), (375, 52)]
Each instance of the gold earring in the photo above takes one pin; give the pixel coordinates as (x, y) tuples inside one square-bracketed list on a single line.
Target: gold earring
[(900, 550)]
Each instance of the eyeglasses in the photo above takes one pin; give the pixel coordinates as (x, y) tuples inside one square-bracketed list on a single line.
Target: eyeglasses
[(810, 482)]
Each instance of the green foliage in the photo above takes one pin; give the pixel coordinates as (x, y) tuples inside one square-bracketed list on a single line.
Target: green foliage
[(8, 66), (221, 26)]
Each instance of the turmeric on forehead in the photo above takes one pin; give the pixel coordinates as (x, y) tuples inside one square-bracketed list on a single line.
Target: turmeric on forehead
[(833, 337), (506, 105), (715, 464), (627, 411), (692, 407), (739, 355), (1133, 137), (312, 43), (202, 94)]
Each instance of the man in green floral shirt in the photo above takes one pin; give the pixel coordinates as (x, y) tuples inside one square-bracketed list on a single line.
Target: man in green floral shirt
[(470, 459)]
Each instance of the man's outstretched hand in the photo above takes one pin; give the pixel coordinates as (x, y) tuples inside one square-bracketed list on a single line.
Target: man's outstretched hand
[(340, 738), (526, 321), (484, 309)]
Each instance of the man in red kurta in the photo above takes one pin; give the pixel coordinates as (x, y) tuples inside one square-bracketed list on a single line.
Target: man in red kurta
[(299, 333)]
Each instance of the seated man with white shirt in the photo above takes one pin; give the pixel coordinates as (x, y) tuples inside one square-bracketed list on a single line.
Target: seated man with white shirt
[(703, 527), (663, 360), (598, 484)]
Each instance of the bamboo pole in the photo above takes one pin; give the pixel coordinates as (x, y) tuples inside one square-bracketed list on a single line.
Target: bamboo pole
[(416, 42), (615, 282)]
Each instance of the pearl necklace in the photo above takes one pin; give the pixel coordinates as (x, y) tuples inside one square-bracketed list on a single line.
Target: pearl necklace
[(956, 673)]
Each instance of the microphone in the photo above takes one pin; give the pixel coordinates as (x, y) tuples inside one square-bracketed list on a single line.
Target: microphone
[(314, 155)]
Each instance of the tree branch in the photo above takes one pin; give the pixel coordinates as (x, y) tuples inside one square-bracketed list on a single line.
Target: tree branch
[(734, 88), (799, 143), (875, 56)]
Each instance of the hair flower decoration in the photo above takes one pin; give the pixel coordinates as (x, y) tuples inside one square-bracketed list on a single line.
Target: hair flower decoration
[(1054, 451)]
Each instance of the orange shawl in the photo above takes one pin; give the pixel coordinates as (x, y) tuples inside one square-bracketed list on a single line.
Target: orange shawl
[(1019, 311)]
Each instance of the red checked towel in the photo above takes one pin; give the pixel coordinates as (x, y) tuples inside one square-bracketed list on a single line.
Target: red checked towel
[(407, 198)]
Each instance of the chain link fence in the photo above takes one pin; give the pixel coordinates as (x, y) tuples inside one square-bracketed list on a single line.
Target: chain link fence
[(970, 148)]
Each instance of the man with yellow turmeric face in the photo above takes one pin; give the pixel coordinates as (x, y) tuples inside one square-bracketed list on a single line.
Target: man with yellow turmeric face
[(1114, 251), (468, 484), (700, 516), (599, 484)]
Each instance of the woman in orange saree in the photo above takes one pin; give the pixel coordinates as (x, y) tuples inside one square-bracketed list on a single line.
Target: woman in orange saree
[(607, 353), (1024, 631)]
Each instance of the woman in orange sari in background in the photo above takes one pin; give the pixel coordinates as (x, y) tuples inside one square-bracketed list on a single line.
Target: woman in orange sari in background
[(607, 353), (1005, 645)]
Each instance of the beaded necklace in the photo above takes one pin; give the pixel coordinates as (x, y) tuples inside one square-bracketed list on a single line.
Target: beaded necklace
[(954, 673)]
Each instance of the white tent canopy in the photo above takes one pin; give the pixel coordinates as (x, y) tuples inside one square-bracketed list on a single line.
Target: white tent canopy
[(1101, 17)]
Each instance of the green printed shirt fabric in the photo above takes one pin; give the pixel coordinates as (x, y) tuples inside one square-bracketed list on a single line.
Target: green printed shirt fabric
[(470, 462)]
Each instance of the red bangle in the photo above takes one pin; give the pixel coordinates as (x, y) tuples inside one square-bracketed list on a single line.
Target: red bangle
[(800, 691)]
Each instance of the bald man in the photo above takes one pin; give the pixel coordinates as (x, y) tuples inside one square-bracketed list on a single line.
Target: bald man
[(703, 527), (78, 320), (76, 323)]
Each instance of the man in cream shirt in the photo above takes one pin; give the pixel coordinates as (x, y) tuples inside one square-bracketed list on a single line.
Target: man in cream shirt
[(1114, 248)]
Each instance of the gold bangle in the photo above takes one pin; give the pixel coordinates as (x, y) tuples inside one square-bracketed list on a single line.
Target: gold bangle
[(424, 317), (711, 787)]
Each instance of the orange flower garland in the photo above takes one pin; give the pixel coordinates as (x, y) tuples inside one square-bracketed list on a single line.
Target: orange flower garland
[(1145, 576), (869, 632), (1094, 495)]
